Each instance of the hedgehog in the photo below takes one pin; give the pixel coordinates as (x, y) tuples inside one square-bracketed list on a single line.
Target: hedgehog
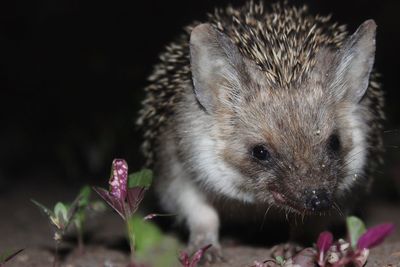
[(262, 107)]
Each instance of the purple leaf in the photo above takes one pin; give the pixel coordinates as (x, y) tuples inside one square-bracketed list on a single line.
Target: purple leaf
[(115, 203), (119, 179), (324, 242), (198, 255), (135, 196), (375, 235), (120, 197), (184, 259)]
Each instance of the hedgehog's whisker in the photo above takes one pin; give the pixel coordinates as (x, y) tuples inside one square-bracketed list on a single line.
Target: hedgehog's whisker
[(337, 208), (265, 216)]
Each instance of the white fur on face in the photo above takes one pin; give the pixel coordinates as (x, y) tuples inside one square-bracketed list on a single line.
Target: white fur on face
[(212, 171), (356, 159), (215, 173)]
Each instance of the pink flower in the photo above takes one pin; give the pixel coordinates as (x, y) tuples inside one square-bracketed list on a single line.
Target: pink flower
[(120, 197)]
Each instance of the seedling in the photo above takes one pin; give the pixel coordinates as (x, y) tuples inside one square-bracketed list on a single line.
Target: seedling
[(7, 256), (192, 261), (125, 195), (80, 216), (60, 219), (341, 253), (85, 206)]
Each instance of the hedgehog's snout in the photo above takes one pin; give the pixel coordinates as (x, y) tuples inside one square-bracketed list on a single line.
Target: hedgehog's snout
[(318, 200)]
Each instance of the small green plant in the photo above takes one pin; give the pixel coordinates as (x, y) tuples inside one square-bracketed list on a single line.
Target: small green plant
[(124, 196), (85, 207), (150, 241), (353, 252), (80, 215), (7, 256), (60, 219)]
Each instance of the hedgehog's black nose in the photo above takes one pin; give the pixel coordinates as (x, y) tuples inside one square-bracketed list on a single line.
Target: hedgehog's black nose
[(318, 200)]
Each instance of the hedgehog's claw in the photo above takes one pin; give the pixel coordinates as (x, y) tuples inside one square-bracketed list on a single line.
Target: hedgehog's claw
[(213, 255)]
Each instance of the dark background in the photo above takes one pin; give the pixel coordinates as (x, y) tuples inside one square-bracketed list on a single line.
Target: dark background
[(72, 74)]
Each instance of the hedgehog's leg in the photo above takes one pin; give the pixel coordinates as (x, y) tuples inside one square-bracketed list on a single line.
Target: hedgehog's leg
[(203, 223), (181, 196), (201, 218)]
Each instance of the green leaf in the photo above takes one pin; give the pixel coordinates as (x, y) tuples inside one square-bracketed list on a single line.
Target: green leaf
[(142, 178), (151, 241), (84, 196), (355, 228), (146, 234), (47, 211), (72, 211), (83, 202), (61, 212), (78, 208)]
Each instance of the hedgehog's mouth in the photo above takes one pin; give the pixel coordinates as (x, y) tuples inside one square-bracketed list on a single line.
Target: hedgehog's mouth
[(283, 201), (291, 205)]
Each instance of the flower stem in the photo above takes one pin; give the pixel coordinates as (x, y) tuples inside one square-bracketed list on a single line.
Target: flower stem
[(131, 237)]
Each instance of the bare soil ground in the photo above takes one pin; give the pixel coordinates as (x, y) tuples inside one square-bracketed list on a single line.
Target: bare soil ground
[(23, 226)]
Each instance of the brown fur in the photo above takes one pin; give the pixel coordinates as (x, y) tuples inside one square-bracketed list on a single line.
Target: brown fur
[(279, 77)]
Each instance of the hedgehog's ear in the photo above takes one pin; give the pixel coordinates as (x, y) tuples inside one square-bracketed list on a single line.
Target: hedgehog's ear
[(216, 64), (354, 62)]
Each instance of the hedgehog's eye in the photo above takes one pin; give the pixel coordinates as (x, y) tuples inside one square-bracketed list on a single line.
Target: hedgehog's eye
[(334, 143), (260, 152)]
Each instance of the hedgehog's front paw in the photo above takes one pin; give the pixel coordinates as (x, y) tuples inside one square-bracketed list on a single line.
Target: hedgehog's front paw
[(286, 250), (212, 255)]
